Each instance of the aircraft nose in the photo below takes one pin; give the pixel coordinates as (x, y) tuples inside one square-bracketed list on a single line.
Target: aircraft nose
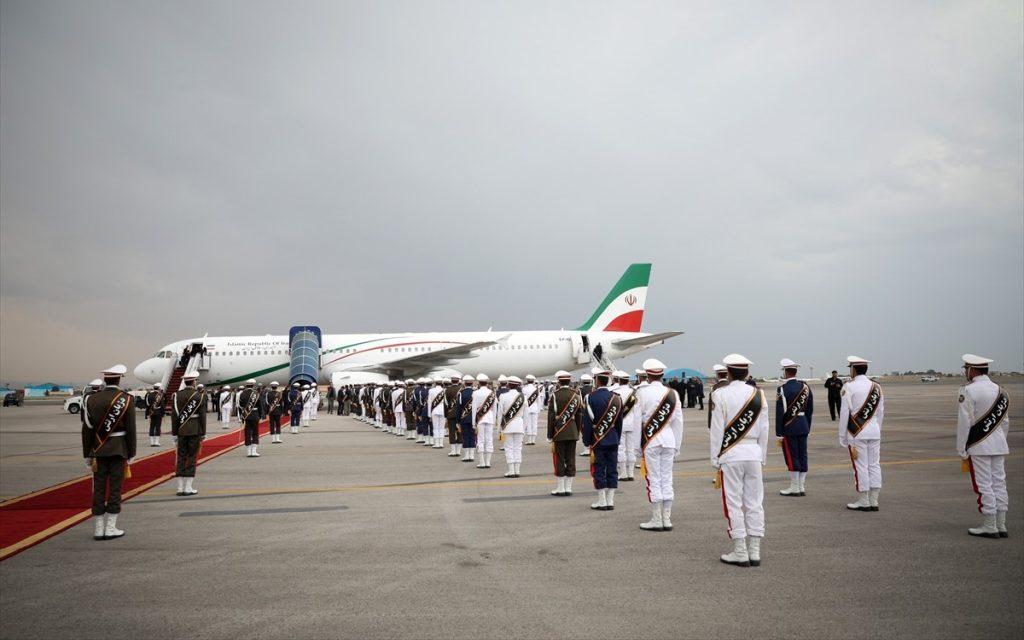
[(147, 371)]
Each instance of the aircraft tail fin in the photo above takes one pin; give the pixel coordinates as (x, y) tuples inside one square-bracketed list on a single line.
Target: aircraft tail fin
[(623, 307)]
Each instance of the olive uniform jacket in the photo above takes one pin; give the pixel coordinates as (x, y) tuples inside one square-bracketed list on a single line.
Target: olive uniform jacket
[(559, 399), (93, 413), (451, 397), (196, 425)]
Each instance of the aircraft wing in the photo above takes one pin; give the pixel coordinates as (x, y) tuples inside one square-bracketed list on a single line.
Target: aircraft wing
[(423, 362), (646, 340)]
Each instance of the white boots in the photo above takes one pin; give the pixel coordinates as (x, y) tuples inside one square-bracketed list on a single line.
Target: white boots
[(295, 429), (754, 550), (154, 441), (794, 485), (189, 490), (111, 530), (739, 555), (98, 528), (568, 485), (513, 470), (559, 486), (251, 452), (863, 503), (803, 480), (1001, 524), (666, 515), (602, 501), (611, 499), (988, 528), (468, 455), (655, 523), (873, 498), (181, 486), (439, 442), (485, 461)]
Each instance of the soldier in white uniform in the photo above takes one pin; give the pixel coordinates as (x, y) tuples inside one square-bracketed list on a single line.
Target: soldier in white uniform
[(378, 418), (307, 404), (398, 404), (314, 401), (485, 407), (630, 440), (861, 410), (982, 424), (511, 409), (435, 401), (641, 382), (533, 391), (739, 448), (661, 440), (225, 405)]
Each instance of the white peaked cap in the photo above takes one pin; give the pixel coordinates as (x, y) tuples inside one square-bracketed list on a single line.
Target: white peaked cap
[(227, 386), (116, 370), (200, 386), (190, 376), (158, 386), (467, 378), (857, 360), (483, 377), (530, 377), (250, 381), (978, 361), (502, 378), (438, 379), (718, 367), (294, 384), (305, 386), (653, 365), (515, 380), (594, 371), (96, 383), (620, 374), (640, 372), (736, 360), (274, 383), (786, 363), (410, 381), (586, 377), (563, 374), (400, 383), (455, 377)]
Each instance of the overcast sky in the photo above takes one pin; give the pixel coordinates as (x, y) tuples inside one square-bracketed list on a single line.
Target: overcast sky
[(809, 179)]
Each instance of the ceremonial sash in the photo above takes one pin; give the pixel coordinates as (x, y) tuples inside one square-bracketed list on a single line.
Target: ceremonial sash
[(658, 419), (191, 406), (274, 403), (399, 404), (742, 422), (512, 411), (485, 406), (254, 397), (629, 403), (118, 409), (466, 409), (603, 426), (533, 397), (566, 414), (862, 416), (986, 425), (798, 405), (436, 401)]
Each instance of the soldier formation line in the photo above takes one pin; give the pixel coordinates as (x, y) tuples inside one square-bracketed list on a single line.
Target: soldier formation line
[(624, 425)]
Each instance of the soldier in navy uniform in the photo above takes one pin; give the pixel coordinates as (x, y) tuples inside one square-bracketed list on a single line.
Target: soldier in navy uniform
[(794, 408), (464, 417), (451, 395), (295, 406), (273, 401), (602, 429), (422, 410), (108, 445), (249, 412)]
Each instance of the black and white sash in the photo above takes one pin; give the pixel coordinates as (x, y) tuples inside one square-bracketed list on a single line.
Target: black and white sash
[(861, 417), (191, 406), (796, 407), (513, 411), (118, 409), (567, 413), (987, 424), (250, 406), (629, 403), (742, 422), (485, 406), (658, 419), (611, 413)]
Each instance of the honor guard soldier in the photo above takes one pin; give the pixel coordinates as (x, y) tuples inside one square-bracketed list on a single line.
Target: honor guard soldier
[(226, 405), (108, 445), (661, 440), (464, 409), (307, 404), (565, 421), (422, 411), (534, 402), (485, 403), (436, 399), (294, 402), (409, 402), (721, 380), (739, 448), (982, 424), (451, 394), (314, 401), (398, 408), (629, 441), (586, 386), (502, 385), (386, 409), (641, 382), (155, 413), (794, 408), (188, 423), (249, 414), (860, 432), (274, 400), (602, 430), (511, 409)]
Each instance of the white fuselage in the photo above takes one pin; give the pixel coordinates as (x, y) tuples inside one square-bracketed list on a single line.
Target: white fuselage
[(235, 359)]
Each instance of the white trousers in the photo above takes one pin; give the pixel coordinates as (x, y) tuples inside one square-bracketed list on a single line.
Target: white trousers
[(513, 448), (314, 409), (628, 444), (530, 421), (305, 415), (377, 417), (743, 498), (485, 437), (988, 478), (225, 414), (399, 421), (867, 472), (658, 461), (437, 423)]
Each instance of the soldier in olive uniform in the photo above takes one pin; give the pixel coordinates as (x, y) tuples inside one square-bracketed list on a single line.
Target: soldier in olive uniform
[(249, 414), (274, 400), (155, 413), (108, 445), (188, 424), (565, 420)]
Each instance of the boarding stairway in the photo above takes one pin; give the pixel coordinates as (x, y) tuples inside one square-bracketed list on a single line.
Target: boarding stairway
[(305, 343), (176, 372)]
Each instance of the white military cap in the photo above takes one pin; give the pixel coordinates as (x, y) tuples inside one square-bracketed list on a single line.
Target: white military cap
[(736, 361), (586, 377), (438, 379), (857, 360), (502, 378), (977, 361), (718, 367), (653, 365), (515, 380), (249, 382), (158, 386), (274, 383), (400, 383), (640, 372), (228, 387), (467, 378), (786, 363), (563, 375), (410, 381), (455, 377), (294, 384), (483, 377), (116, 370), (190, 376), (200, 386), (530, 377), (305, 386), (620, 374), (597, 370), (96, 383)]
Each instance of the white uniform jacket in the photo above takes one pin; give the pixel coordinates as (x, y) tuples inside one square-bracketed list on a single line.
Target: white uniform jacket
[(515, 425), (976, 398), (729, 401), (649, 396), (631, 421), (431, 394), (478, 399), (853, 395)]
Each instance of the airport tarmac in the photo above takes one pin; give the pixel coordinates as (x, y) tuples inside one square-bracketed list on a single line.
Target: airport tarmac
[(346, 532)]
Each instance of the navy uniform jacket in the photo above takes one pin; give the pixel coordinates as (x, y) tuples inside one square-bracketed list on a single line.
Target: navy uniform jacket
[(501, 389), (294, 400), (420, 394), (597, 403), (802, 425), (464, 399)]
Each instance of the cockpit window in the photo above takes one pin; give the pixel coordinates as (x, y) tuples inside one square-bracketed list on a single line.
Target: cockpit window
[(164, 354)]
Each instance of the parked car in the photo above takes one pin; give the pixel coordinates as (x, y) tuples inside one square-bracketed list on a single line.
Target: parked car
[(74, 404), (929, 379), (14, 398)]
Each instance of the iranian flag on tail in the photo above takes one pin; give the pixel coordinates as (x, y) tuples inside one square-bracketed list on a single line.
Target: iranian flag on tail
[(623, 307)]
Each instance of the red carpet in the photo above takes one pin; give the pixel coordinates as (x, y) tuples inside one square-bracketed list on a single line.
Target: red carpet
[(28, 520)]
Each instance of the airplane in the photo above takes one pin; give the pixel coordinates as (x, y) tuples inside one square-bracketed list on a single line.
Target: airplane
[(611, 332)]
